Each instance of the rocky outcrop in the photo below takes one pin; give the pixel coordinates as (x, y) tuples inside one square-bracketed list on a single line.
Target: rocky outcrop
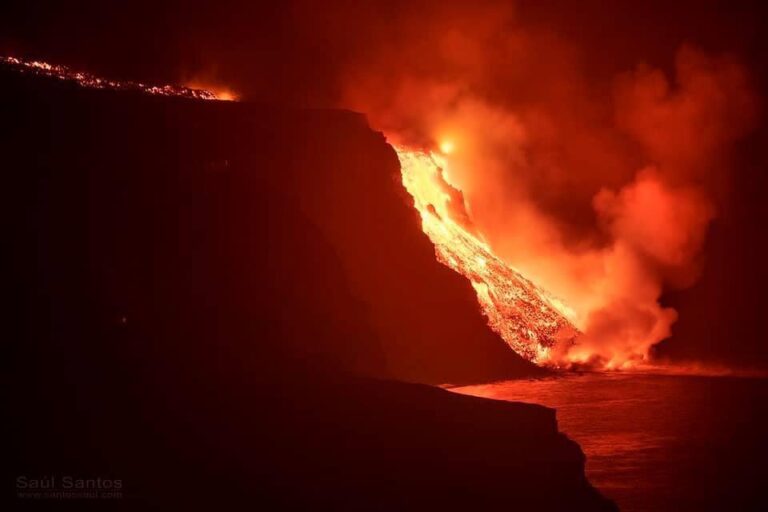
[(168, 197), (194, 284)]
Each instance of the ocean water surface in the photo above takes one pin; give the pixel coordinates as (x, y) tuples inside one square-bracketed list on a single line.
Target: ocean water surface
[(660, 442)]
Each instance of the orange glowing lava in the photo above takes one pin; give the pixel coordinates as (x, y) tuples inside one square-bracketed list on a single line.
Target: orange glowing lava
[(535, 324), (94, 82), (219, 92)]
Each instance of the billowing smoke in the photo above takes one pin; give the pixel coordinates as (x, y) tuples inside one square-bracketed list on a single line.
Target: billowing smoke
[(601, 191)]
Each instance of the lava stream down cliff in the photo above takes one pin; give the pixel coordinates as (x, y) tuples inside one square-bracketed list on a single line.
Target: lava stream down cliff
[(534, 324)]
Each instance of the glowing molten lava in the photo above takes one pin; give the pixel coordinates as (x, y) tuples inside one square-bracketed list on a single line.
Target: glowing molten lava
[(94, 82), (536, 325)]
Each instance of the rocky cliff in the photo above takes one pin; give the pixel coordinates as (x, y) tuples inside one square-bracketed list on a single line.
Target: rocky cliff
[(194, 285)]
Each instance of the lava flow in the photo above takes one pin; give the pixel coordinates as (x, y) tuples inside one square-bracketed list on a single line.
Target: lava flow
[(535, 324), (94, 82)]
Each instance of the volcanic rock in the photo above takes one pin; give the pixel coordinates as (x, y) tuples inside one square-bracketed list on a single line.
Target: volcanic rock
[(194, 285)]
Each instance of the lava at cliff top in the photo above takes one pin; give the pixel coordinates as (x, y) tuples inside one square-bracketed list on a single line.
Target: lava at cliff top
[(94, 82)]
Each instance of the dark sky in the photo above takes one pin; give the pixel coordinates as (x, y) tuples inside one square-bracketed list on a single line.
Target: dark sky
[(293, 50), (301, 52)]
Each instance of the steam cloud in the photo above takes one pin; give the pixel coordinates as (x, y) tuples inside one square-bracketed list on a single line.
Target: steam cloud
[(601, 192)]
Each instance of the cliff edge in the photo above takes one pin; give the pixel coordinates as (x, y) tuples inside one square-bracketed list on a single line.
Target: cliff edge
[(207, 295)]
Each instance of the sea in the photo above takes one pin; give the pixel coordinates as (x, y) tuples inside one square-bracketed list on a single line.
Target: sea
[(660, 442)]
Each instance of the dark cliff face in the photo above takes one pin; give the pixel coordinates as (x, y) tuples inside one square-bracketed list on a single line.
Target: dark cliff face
[(192, 284), (241, 220)]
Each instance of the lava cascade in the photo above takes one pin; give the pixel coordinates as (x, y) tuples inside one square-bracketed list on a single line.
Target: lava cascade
[(534, 324)]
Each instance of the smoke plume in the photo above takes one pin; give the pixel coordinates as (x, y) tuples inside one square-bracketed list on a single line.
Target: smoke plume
[(601, 191)]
